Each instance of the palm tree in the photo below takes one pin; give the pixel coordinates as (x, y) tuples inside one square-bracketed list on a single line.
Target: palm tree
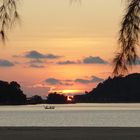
[(8, 16), (128, 39)]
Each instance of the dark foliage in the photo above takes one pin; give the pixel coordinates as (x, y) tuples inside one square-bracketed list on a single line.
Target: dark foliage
[(114, 90), (36, 99), (11, 94), (55, 98)]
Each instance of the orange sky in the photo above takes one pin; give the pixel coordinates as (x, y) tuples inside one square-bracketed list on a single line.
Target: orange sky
[(80, 38)]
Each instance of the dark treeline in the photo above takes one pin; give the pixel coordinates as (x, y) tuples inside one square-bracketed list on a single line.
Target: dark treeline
[(36, 99), (52, 98), (55, 98), (11, 94), (114, 90)]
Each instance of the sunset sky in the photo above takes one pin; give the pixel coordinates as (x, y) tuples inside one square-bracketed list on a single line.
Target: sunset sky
[(60, 46)]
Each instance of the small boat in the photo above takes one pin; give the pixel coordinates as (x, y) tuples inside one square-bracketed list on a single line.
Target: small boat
[(49, 107)]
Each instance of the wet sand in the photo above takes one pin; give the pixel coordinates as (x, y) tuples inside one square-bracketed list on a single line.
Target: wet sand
[(69, 133)]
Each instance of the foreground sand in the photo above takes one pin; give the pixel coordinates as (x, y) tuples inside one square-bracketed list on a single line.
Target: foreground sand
[(65, 133)]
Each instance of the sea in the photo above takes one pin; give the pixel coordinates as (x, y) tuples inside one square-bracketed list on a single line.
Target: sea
[(82, 115)]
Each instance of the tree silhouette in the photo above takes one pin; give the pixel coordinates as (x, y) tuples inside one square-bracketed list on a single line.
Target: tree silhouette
[(8, 16), (11, 94), (36, 99), (128, 38), (56, 98)]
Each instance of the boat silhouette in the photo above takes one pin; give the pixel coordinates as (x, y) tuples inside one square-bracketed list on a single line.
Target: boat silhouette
[(49, 107)]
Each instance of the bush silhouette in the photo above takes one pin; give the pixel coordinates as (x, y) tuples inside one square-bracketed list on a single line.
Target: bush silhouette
[(10, 93), (55, 98)]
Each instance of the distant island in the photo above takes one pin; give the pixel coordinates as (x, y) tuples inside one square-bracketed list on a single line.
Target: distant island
[(118, 89)]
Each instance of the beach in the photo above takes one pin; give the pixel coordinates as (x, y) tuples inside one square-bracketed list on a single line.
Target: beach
[(69, 133)]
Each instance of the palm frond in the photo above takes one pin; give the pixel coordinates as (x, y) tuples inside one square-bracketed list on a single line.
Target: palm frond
[(128, 38), (8, 16)]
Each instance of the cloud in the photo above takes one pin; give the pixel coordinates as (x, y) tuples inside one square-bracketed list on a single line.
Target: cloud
[(52, 56), (37, 55), (94, 60), (93, 79), (36, 66), (86, 60), (96, 79), (37, 63), (53, 81), (83, 81), (6, 63), (67, 62), (137, 61)]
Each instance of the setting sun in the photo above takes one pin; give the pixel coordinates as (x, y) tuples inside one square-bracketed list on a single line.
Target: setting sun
[(69, 98)]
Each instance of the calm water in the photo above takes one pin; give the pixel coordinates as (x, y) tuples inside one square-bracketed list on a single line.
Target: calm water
[(72, 115)]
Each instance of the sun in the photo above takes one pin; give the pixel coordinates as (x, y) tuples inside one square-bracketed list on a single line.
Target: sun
[(69, 98)]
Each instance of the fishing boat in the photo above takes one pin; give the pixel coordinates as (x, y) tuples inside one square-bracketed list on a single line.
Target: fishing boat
[(49, 107)]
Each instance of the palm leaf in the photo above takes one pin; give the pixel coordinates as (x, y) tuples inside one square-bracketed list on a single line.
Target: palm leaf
[(128, 38), (8, 16)]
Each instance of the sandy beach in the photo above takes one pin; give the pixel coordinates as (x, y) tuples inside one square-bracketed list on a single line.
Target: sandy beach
[(69, 133)]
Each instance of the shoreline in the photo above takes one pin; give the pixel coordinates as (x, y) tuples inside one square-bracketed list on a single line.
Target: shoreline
[(73, 103)]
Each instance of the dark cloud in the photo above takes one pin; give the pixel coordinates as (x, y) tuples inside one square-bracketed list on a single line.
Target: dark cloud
[(37, 63), (52, 56), (83, 81), (137, 61), (37, 55), (67, 62), (93, 79), (36, 66), (86, 60), (6, 63), (53, 81), (94, 60), (96, 79)]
